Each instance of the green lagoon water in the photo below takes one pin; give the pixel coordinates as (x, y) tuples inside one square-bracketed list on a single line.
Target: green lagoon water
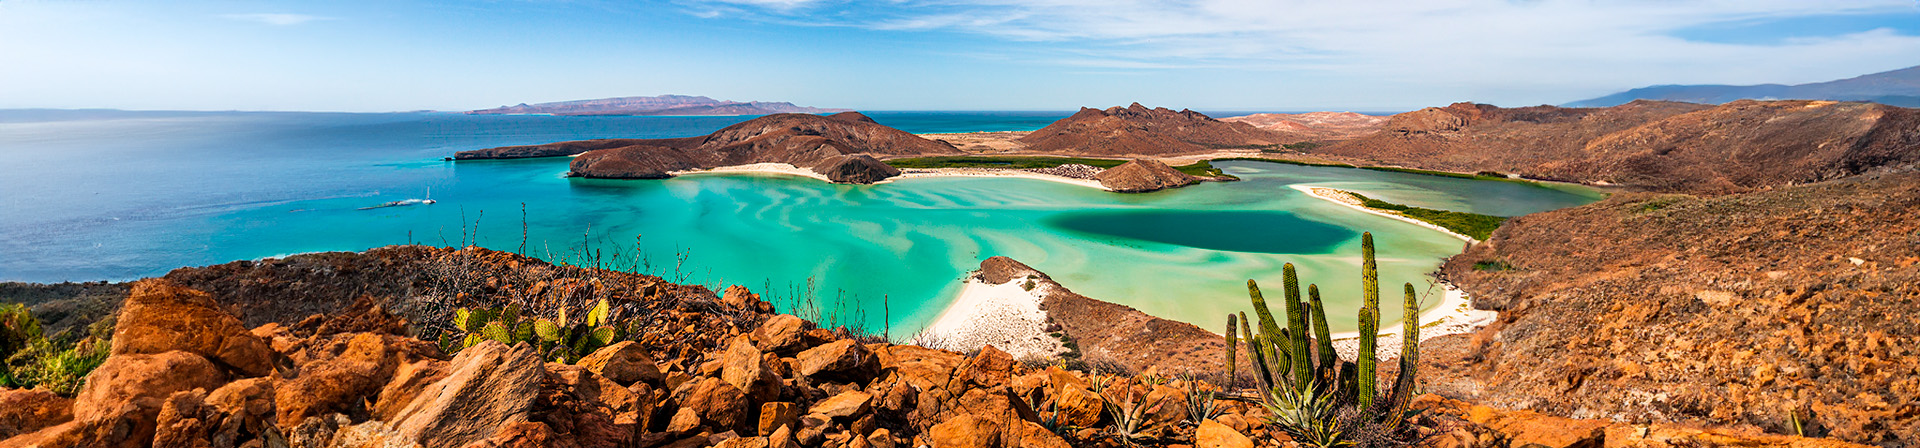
[(177, 190)]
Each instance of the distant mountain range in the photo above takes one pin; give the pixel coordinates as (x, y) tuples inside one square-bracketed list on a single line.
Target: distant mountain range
[(656, 105), (1895, 88)]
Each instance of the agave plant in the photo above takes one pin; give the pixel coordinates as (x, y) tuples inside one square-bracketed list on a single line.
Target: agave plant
[(1314, 396), (561, 339)]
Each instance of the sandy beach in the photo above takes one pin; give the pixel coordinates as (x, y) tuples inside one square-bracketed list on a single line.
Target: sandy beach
[(1006, 316), (1346, 199), (762, 168), (1455, 315)]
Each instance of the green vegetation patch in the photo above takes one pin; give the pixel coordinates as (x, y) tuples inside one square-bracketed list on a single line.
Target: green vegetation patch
[(1204, 169), (1660, 203), (1474, 225), (58, 363), (1492, 265), (1283, 161), (1013, 162)]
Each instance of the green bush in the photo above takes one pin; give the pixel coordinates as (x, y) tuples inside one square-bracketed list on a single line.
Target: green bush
[(559, 340), (59, 363), (1475, 225)]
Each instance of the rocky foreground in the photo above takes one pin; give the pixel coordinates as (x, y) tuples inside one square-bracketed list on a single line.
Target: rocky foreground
[(1764, 309), (333, 350)]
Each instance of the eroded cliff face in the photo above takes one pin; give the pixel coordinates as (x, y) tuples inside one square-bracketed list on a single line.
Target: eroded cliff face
[(1138, 130), (1651, 145), (1753, 308), (831, 145)]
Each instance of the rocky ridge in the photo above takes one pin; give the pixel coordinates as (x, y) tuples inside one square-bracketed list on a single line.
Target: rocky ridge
[(1143, 175), (1650, 145), (1136, 130), (839, 147), (1318, 125)]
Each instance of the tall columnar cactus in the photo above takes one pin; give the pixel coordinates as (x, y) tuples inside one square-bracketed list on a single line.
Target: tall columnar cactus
[(1302, 380), (1233, 345), (1327, 359), (1297, 329)]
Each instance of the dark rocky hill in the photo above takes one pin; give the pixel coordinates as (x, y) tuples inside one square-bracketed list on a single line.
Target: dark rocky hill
[(821, 143), (1662, 146), (1897, 88), (1137, 130), (1143, 175)]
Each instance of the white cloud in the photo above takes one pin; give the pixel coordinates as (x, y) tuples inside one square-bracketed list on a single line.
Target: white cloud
[(1498, 45), (276, 19)]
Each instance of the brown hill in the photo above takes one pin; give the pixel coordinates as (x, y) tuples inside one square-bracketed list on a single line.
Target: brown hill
[(803, 140), (1137, 130), (1660, 146), (1753, 308), (1320, 125), (1143, 175)]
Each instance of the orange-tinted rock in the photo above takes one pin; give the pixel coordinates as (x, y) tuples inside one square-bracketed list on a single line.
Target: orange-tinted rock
[(24, 411), (844, 359), (849, 404), (624, 362), (744, 367), (719, 405), (965, 431), (774, 416), (1026, 434), (123, 396), (162, 316), (1212, 434), (488, 386), (990, 368), (784, 334)]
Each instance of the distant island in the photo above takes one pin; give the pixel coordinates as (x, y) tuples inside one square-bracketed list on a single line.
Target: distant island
[(1894, 88), (656, 105)]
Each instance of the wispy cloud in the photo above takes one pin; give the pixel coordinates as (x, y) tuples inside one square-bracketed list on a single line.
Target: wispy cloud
[(276, 19), (1566, 43)]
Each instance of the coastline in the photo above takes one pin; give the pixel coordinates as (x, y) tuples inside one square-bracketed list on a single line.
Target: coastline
[(1455, 315), (911, 173), (1006, 316), (1328, 195)]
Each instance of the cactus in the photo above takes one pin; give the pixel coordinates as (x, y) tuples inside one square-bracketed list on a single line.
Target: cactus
[(1297, 330), (559, 339), (1233, 346), (1306, 385), (1322, 334)]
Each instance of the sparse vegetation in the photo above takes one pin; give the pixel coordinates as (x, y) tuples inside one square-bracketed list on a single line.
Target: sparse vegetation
[(1491, 265), (1316, 398), (1204, 169), (1475, 225), (59, 363), (559, 340)]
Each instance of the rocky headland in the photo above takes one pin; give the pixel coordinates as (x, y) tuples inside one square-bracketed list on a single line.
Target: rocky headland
[(839, 147)]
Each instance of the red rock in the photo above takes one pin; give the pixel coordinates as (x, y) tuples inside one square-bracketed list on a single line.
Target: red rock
[(719, 405), (488, 386), (783, 333), (24, 411), (849, 404), (844, 359), (965, 431), (128, 391), (990, 368), (624, 362), (162, 316), (1212, 434), (745, 369), (774, 416)]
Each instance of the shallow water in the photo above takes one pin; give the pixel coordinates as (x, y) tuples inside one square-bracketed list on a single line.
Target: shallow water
[(117, 195)]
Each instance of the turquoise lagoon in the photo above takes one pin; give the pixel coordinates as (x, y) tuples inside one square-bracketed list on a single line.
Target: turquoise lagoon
[(97, 195)]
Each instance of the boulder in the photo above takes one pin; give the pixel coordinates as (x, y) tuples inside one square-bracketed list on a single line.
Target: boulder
[(844, 359), (784, 334), (738, 297), (1212, 434), (489, 385), (965, 431), (990, 368), (24, 411), (123, 396), (846, 405), (407, 383), (744, 367), (1143, 175), (855, 169), (774, 416), (351, 370), (371, 434), (624, 363), (719, 405), (1078, 407), (162, 316), (1026, 434)]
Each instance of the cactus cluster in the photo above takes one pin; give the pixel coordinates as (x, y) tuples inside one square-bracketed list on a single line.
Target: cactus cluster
[(561, 339), (1315, 396)]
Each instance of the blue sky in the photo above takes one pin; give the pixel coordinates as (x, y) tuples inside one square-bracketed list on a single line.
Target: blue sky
[(390, 55)]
